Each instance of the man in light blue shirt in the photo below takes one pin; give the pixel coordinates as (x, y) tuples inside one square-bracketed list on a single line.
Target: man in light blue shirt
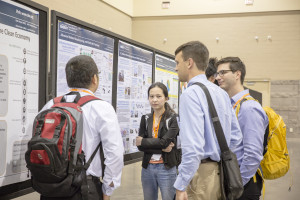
[(252, 119), (199, 170)]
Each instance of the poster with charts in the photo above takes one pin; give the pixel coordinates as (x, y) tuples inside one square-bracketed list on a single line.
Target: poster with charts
[(19, 85), (74, 40), (134, 79), (165, 73)]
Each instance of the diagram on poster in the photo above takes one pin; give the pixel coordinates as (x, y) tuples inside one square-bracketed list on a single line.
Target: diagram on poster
[(74, 40), (165, 73), (134, 79), (19, 84)]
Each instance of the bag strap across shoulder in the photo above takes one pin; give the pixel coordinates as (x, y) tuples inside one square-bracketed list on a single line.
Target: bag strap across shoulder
[(216, 121), (238, 107), (81, 101)]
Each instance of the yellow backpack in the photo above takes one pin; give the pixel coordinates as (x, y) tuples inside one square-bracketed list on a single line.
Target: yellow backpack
[(276, 161)]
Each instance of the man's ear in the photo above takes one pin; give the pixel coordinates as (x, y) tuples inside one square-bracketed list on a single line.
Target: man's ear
[(238, 74), (95, 79), (191, 62)]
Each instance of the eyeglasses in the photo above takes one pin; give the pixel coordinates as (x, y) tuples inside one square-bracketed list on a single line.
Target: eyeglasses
[(221, 73)]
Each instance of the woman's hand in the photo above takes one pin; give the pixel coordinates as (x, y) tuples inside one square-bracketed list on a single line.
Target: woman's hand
[(138, 141), (169, 148)]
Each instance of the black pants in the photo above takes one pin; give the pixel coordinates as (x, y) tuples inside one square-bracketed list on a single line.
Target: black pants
[(94, 191), (252, 191)]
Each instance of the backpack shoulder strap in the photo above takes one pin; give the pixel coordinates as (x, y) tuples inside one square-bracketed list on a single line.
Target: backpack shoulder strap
[(57, 99), (85, 99), (147, 116), (238, 107), (168, 120)]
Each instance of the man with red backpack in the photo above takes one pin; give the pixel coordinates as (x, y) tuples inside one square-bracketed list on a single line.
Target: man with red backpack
[(99, 128), (253, 122)]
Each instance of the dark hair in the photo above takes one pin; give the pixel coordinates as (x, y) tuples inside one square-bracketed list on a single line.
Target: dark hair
[(211, 68), (235, 65), (80, 70), (168, 109), (195, 50)]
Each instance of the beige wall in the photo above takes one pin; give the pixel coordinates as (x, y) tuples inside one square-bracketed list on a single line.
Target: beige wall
[(125, 6), (262, 86), (275, 59), (196, 7), (94, 12)]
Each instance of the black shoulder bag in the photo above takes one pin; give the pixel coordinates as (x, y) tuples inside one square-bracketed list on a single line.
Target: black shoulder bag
[(231, 180)]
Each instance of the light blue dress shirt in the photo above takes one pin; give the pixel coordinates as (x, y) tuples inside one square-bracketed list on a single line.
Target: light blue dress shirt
[(197, 135), (253, 122)]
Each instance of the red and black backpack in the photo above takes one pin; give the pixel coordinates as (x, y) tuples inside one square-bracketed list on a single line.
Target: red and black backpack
[(54, 156)]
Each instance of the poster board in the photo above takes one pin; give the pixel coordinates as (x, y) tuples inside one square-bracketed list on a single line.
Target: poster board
[(23, 61), (71, 37), (62, 40), (135, 66), (166, 74)]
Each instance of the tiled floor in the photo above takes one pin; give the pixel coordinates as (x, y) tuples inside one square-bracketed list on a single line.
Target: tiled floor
[(131, 188)]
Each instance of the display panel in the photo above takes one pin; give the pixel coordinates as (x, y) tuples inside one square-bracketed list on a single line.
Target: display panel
[(23, 40), (133, 80), (166, 74), (74, 39)]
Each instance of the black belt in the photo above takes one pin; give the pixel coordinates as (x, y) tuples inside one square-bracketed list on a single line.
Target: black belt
[(90, 177), (207, 160)]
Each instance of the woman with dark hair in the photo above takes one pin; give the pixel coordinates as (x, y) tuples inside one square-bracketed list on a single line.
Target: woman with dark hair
[(211, 70), (157, 139)]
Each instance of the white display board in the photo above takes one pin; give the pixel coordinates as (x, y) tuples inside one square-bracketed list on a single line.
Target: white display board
[(134, 79), (74, 40), (166, 74), (19, 85)]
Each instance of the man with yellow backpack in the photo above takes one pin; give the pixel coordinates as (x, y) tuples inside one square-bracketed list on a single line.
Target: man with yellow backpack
[(254, 122)]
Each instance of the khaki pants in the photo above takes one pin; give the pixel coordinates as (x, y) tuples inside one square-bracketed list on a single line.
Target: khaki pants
[(205, 184)]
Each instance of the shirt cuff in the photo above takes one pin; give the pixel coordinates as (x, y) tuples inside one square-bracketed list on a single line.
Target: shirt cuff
[(107, 190), (180, 184)]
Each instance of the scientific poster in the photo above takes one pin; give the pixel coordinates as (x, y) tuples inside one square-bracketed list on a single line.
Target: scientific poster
[(134, 79), (74, 40), (19, 85), (165, 73)]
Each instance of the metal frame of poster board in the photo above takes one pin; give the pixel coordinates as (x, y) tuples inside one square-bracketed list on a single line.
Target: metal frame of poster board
[(170, 56), (55, 16), (18, 189)]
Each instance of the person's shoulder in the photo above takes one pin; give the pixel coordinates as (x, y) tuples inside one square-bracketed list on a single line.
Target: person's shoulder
[(101, 105), (251, 105), (48, 105)]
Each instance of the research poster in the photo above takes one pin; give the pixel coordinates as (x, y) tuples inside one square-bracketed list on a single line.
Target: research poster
[(74, 40), (134, 79), (19, 84), (166, 74)]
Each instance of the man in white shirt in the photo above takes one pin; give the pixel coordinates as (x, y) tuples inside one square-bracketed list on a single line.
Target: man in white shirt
[(100, 123)]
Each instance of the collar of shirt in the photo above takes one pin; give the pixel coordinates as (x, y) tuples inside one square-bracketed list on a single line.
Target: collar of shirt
[(198, 78), (83, 90), (239, 95)]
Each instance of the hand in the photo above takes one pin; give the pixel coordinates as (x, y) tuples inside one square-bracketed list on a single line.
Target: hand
[(138, 141), (169, 148), (105, 197), (181, 195)]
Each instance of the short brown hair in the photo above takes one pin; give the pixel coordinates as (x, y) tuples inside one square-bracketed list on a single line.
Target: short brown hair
[(80, 71), (195, 50)]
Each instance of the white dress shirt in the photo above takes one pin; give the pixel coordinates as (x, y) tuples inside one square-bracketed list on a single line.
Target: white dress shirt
[(100, 123)]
